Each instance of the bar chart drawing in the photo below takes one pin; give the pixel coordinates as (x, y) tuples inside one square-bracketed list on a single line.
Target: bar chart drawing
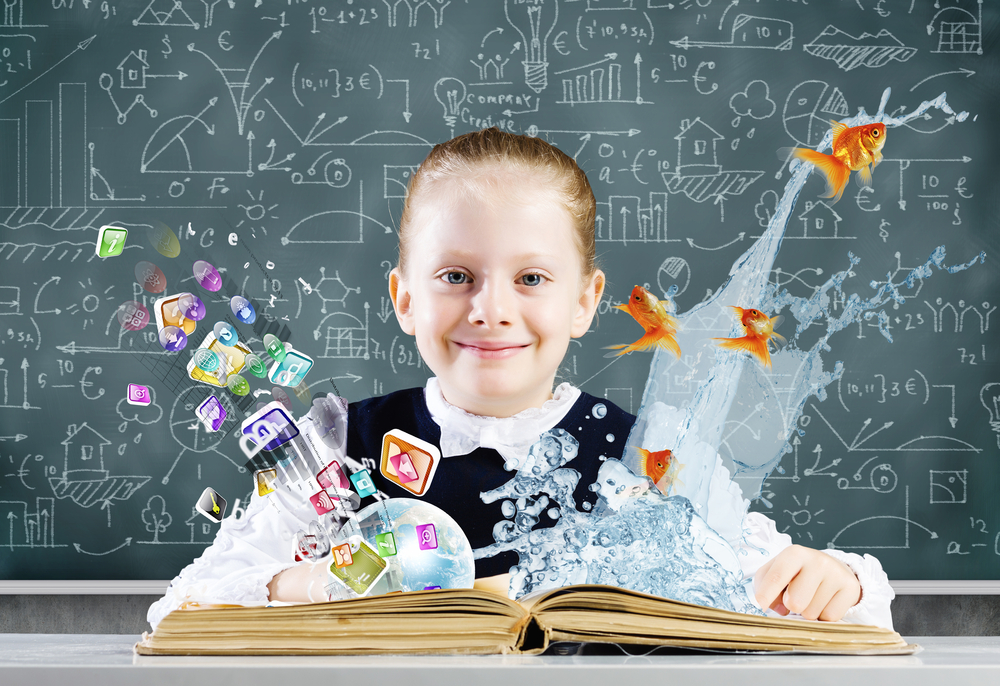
[(627, 221), (598, 82)]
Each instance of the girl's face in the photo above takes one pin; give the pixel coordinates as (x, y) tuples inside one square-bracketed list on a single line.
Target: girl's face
[(493, 292)]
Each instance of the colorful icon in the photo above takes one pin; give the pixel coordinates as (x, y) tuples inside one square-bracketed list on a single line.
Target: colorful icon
[(305, 547), (212, 413), (211, 504), (111, 241), (173, 339), (133, 315), (231, 361), (427, 537), (275, 348), (342, 555), (207, 276), (169, 313), (363, 484), (138, 395), (364, 570), (206, 360), (322, 502), (242, 309), (386, 544), (408, 461), (265, 478), (225, 333), (191, 306), (256, 365), (272, 418), (238, 385), (163, 239), (432, 588), (291, 370), (333, 476), (404, 467), (150, 277)]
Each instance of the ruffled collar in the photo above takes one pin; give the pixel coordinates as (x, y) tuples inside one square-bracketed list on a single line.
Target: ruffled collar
[(512, 437)]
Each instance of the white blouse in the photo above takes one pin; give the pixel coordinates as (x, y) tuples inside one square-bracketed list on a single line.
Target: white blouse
[(251, 549)]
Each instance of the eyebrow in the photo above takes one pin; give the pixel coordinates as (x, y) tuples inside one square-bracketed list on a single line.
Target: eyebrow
[(522, 257)]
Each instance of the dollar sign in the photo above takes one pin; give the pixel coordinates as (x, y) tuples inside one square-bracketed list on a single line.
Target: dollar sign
[(166, 41)]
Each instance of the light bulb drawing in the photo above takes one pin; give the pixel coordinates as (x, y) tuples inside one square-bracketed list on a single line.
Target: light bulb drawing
[(989, 396), (527, 18), (450, 93)]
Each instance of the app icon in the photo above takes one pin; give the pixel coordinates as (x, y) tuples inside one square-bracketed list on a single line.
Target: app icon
[(427, 537), (362, 481), (333, 476), (305, 547), (132, 315), (163, 239), (138, 395), (270, 417), (150, 276), (111, 241), (173, 339), (365, 569), (256, 365), (342, 555), (191, 306), (168, 312), (432, 588), (386, 544), (242, 308), (408, 461), (212, 414), (207, 276), (238, 385), (225, 333), (265, 479), (275, 348), (232, 360), (211, 504), (291, 370), (322, 502)]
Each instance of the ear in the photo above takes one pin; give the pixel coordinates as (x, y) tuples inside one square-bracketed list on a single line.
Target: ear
[(587, 306), (402, 301)]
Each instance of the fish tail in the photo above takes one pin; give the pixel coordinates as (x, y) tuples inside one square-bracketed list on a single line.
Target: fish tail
[(755, 345), (835, 171)]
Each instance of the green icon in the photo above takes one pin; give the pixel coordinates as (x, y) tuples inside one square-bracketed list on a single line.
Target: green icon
[(275, 348), (111, 241), (238, 385), (386, 544), (364, 571), (256, 366)]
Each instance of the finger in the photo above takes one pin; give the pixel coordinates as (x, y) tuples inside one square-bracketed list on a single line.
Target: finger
[(773, 577), (821, 598), (838, 606), (802, 589)]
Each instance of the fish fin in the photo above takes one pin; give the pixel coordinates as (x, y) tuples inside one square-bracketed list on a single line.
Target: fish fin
[(835, 171), (877, 154), (838, 130), (776, 321), (738, 311), (864, 177), (785, 154), (655, 338), (776, 343), (754, 345), (623, 307)]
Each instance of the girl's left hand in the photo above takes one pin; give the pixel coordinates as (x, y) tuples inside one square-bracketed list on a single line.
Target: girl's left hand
[(807, 582)]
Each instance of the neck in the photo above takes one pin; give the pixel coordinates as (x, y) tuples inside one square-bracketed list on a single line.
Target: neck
[(500, 407)]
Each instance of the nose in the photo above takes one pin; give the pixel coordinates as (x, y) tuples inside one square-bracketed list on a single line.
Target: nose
[(492, 305)]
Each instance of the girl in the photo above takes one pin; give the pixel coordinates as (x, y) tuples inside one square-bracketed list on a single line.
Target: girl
[(496, 274)]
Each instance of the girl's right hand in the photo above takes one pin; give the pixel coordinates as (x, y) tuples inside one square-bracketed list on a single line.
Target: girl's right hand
[(303, 583)]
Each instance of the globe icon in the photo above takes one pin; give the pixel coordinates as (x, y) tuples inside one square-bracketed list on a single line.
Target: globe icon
[(431, 550)]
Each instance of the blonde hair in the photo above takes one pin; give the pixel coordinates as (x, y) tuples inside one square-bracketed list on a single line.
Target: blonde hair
[(471, 157)]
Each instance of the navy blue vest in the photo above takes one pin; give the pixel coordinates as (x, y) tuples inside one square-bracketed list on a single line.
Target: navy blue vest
[(460, 479)]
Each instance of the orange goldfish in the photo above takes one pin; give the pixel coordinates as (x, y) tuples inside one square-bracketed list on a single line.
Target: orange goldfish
[(653, 317), (854, 149), (760, 334), (659, 464)]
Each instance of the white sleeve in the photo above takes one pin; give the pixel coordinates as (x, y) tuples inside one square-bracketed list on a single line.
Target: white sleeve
[(759, 541), (246, 554)]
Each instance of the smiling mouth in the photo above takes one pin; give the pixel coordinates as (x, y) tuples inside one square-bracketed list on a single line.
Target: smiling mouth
[(492, 351)]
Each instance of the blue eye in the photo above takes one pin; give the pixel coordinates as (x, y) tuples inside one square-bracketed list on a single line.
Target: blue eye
[(456, 278), (532, 279)]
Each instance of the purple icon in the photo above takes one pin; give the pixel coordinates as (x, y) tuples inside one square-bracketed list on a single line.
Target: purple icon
[(138, 395), (427, 537), (243, 310), (133, 315), (191, 306), (212, 413), (207, 276), (225, 334), (150, 277), (173, 339)]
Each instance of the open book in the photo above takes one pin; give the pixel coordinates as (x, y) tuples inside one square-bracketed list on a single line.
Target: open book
[(477, 622)]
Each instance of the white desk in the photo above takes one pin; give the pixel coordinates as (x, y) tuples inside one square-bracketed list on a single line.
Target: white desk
[(86, 660)]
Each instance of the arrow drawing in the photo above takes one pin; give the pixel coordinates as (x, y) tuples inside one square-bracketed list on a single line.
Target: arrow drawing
[(128, 541), (82, 45)]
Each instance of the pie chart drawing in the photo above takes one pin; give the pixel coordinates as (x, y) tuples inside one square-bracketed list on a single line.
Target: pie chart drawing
[(808, 111)]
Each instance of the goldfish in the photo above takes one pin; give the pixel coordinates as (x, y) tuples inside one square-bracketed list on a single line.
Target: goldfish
[(651, 314), (659, 464), (854, 149), (759, 335)]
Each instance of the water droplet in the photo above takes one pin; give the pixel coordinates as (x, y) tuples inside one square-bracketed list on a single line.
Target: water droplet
[(587, 506), (600, 410), (508, 509), (610, 438), (553, 512)]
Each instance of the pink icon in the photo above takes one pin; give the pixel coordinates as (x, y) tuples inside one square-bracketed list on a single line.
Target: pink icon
[(404, 467), (427, 537), (322, 502), (138, 395), (332, 476)]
